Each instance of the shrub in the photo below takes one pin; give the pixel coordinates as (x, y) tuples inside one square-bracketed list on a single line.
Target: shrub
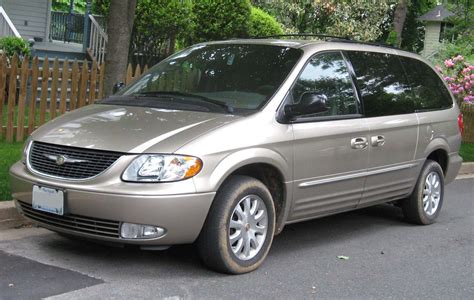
[(460, 78), (220, 19), (11, 45), (262, 24)]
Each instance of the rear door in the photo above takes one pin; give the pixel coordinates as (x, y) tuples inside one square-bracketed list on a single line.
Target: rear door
[(390, 114), (330, 148)]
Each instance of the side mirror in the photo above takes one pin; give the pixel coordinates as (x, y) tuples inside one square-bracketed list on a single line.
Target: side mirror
[(310, 103), (117, 87)]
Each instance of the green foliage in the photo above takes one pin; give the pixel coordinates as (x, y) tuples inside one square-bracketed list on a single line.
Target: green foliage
[(392, 38), (262, 24), (220, 19), (360, 19), (156, 27), (63, 5), (11, 45)]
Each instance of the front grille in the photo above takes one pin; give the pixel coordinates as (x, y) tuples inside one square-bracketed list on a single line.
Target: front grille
[(84, 163), (92, 226)]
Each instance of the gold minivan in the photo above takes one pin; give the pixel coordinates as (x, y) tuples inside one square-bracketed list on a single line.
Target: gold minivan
[(224, 143)]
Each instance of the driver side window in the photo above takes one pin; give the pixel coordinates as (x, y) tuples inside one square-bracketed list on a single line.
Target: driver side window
[(326, 75)]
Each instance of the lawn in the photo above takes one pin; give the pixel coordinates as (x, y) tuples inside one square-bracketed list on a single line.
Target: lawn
[(11, 153)]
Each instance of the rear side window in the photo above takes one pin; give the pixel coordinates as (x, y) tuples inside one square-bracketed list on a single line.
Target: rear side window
[(382, 83), (429, 92)]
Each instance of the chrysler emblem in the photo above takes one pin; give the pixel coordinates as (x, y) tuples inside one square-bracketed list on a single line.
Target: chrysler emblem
[(60, 160)]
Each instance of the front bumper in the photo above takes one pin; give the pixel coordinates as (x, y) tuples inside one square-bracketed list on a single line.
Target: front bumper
[(182, 215)]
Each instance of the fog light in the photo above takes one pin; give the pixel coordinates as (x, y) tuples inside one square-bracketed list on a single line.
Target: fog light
[(138, 231)]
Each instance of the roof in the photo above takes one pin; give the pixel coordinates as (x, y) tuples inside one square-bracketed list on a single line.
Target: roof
[(439, 13)]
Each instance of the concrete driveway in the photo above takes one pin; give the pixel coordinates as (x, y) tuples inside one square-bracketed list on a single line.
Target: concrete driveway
[(387, 259)]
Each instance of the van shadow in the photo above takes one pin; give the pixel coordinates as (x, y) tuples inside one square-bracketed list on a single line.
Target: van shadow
[(183, 260)]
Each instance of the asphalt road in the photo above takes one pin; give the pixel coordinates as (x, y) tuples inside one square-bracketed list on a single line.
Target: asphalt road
[(387, 259)]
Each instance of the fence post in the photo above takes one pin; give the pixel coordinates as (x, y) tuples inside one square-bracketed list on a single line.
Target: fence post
[(74, 83), (34, 93), (11, 97), (64, 85), (3, 81), (101, 81), (20, 125), (92, 86), (83, 87), (54, 90), (44, 91)]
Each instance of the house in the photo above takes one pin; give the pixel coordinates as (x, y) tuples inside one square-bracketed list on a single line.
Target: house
[(435, 28), (52, 33)]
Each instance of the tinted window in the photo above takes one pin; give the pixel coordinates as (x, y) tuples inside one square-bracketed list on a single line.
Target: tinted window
[(382, 83), (429, 92), (327, 75)]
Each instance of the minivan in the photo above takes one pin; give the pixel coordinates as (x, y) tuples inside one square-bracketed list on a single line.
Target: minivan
[(224, 143)]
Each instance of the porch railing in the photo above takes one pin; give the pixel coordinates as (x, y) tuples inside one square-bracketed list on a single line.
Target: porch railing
[(6, 26), (98, 41), (67, 27)]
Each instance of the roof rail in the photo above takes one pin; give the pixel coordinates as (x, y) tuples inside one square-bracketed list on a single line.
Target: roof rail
[(327, 37)]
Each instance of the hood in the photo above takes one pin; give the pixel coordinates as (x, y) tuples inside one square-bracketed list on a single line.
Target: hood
[(129, 129)]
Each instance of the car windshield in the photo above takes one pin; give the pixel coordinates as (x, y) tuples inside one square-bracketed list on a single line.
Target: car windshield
[(231, 78)]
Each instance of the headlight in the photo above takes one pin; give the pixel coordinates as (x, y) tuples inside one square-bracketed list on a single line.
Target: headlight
[(162, 168)]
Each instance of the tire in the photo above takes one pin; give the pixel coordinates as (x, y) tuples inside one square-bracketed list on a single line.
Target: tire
[(424, 204), (214, 243)]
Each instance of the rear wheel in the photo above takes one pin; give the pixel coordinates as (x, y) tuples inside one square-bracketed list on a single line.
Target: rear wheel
[(424, 204), (239, 229)]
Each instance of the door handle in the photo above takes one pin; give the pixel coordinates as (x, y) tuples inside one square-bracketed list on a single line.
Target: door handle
[(377, 140), (359, 143)]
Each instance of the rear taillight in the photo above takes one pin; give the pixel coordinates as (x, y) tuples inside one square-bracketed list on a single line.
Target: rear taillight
[(461, 124)]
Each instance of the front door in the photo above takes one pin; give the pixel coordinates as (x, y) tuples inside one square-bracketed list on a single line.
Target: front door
[(330, 147)]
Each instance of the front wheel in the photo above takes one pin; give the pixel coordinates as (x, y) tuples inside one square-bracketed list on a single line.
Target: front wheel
[(424, 204), (239, 229)]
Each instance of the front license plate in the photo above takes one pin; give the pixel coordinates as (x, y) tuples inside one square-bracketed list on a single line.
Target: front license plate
[(48, 200)]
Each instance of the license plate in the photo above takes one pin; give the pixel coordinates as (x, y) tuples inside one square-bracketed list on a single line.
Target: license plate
[(48, 200)]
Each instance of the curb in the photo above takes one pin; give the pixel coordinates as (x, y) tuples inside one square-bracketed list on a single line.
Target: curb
[(466, 168), (10, 218)]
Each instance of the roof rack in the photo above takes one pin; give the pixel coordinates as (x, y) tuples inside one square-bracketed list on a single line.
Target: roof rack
[(327, 37)]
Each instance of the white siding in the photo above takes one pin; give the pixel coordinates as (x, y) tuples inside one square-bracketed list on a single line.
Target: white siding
[(30, 17), (432, 31)]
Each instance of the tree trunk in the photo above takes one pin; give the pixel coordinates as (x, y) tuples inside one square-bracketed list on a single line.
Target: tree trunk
[(119, 31), (399, 19)]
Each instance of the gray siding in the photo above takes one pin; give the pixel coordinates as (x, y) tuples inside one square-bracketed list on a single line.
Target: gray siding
[(432, 31), (30, 17)]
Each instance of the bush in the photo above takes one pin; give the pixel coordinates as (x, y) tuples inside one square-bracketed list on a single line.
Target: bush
[(262, 24), (460, 78), (11, 45), (157, 26), (220, 19)]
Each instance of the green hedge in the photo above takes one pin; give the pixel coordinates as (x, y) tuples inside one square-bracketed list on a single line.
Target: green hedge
[(263, 24), (11, 45)]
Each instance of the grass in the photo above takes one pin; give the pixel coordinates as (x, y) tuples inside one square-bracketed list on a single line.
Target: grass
[(9, 154), (467, 152)]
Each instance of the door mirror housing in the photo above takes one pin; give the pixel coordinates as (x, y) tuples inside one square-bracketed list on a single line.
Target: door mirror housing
[(118, 86), (310, 103)]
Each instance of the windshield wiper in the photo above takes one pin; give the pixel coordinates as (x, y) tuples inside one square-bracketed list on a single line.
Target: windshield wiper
[(172, 94)]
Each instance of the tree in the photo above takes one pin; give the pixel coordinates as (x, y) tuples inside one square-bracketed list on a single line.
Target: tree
[(119, 30), (399, 19), (262, 24)]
